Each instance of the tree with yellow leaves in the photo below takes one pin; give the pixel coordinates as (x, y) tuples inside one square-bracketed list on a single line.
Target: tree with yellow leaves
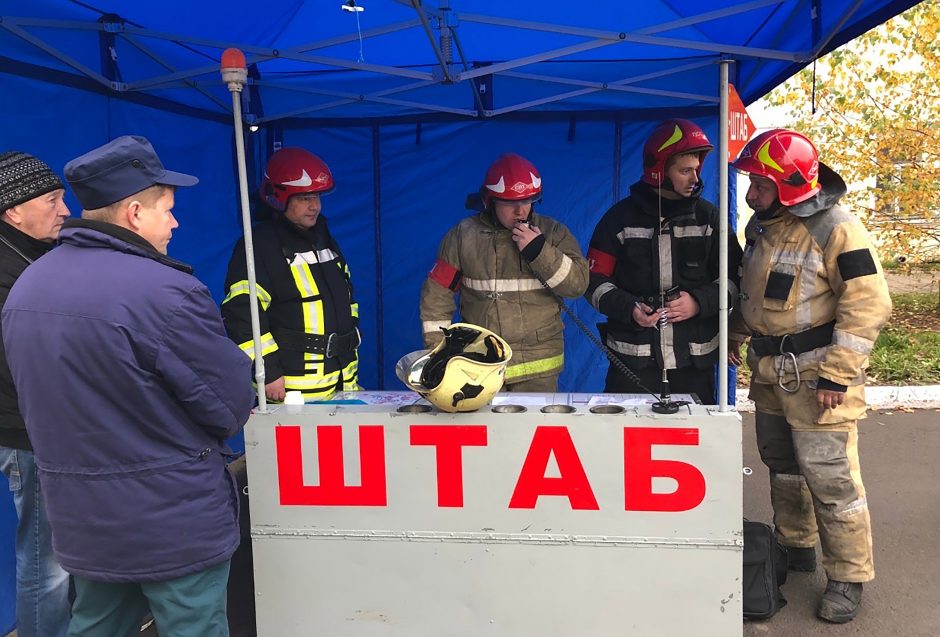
[(873, 109)]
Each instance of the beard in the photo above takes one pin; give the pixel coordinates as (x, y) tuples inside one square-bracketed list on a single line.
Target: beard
[(768, 212)]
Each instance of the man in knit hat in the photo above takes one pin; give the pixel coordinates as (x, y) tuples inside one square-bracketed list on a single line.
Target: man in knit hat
[(32, 211)]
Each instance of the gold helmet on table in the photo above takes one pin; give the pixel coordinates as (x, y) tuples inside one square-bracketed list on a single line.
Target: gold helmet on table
[(462, 373)]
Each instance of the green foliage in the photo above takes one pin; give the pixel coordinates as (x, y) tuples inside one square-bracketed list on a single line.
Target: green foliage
[(907, 351), (877, 108), (904, 357), (916, 303)]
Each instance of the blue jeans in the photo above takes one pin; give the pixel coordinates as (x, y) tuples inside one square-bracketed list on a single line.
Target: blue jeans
[(42, 587)]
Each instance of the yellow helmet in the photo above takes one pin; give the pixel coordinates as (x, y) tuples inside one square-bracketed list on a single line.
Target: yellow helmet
[(463, 372)]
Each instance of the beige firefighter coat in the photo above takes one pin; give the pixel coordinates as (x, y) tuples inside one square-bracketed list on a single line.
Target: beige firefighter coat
[(499, 291), (799, 273)]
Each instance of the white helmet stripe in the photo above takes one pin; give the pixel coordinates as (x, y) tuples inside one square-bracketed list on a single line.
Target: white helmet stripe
[(499, 187), (304, 180)]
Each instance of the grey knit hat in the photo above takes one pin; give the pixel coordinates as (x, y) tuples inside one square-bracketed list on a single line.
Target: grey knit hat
[(24, 177)]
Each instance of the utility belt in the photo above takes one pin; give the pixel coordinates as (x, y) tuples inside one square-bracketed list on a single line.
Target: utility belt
[(330, 345), (796, 344)]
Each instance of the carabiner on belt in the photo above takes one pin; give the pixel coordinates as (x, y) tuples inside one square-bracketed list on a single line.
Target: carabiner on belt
[(782, 368)]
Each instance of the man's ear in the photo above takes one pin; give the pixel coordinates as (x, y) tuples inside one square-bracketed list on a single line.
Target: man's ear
[(13, 214), (131, 214)]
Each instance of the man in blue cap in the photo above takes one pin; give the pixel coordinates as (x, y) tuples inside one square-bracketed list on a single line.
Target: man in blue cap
[(129, 387)]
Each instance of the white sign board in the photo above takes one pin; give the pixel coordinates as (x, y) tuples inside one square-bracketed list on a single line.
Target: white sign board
[(367, 521)]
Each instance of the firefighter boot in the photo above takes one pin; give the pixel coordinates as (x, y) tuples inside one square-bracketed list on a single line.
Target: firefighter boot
[(801, 559), (840, 602)]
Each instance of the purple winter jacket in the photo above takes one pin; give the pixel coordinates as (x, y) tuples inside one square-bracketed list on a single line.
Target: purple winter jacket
[(129, 386)]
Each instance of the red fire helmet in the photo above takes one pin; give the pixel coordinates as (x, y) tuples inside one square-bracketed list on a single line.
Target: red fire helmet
[(294, 171), (672, 137), (788, 159), (513, 178)]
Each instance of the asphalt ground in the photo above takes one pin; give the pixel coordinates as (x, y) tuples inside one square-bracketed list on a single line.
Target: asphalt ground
[(900, 453)]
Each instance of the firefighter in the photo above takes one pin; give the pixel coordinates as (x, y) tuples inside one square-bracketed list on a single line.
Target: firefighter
[(654, 269), (813, 299), (495, 260), (309, 317)]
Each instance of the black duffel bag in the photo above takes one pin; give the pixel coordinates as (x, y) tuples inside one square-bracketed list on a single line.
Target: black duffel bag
[(765, 571)]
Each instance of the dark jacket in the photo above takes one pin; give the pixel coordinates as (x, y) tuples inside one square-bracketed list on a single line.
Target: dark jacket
[(304, 288), (129, 387), (17, 250), (628, 266)]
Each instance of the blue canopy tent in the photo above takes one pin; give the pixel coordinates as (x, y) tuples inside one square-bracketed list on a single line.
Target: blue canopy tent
[(408, 102)]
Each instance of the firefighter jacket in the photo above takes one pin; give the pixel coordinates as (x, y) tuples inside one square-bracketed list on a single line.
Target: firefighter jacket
[(635, 257), (308, 314), (499, 289), (812, 282)]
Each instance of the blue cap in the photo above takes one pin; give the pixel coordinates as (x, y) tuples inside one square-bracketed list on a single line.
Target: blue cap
[(119, 169)]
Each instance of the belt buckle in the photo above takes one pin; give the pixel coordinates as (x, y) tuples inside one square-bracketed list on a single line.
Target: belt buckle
[(329, 345), (333, 339)]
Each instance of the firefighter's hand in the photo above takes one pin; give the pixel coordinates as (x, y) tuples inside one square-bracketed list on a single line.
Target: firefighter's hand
[(829, 399), (523, 233), (644, 316), (682, 308), (275, 390), (734, 352)]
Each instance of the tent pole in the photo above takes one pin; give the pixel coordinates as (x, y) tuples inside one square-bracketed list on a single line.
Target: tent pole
[(723, 237), (235, 75)]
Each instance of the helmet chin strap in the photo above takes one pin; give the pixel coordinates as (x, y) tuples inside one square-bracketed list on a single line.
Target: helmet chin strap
[(770, 212), (666, 184)]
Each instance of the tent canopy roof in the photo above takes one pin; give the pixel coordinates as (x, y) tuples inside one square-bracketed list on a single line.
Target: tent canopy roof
[(319, 62)]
